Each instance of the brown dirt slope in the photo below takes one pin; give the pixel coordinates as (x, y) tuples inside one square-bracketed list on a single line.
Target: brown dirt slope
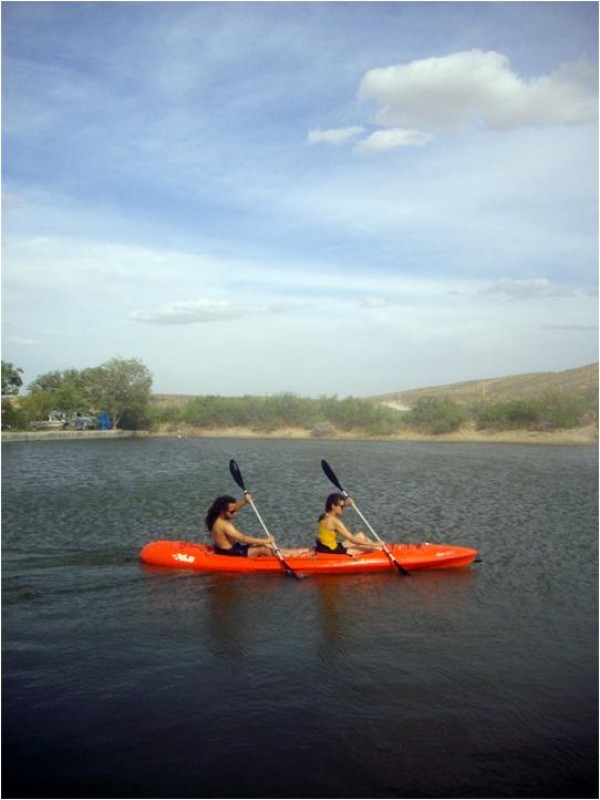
[(582, 381), (171, 399)]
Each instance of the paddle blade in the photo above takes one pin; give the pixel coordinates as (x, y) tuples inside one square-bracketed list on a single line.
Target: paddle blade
[(399, 567), (236, 474), (290, 572), (331, 475)]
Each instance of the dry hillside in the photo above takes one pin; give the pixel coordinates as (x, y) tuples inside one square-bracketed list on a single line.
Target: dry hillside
[(582, 382)]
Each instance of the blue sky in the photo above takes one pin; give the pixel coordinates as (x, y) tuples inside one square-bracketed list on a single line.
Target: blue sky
[(322, 198)]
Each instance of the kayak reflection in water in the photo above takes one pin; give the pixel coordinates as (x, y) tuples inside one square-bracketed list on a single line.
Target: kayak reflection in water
[(331, 526), (229, 541)]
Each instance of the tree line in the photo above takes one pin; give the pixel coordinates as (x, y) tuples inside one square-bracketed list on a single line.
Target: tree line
[(123, 389), (119, 387)]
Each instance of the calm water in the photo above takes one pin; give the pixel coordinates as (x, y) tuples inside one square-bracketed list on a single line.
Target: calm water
[(127, 682)]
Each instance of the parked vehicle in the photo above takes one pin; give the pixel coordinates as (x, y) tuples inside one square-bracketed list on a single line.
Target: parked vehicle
[(55, 421), (85, 422), (79, 421)]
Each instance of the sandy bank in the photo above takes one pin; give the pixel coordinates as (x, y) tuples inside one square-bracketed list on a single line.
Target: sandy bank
[(576, 436)]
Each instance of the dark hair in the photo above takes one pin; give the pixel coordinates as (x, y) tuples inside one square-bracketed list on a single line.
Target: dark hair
[(219, 505), (332, 500)]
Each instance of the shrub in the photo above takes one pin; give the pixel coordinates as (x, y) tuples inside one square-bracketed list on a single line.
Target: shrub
[(436, 415), (509, 414), (284, 410), (323, 430), (563, 410), (546, 413)]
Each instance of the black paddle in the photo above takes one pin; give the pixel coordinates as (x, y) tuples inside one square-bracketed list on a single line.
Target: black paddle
[(333, 478), (237, 477)]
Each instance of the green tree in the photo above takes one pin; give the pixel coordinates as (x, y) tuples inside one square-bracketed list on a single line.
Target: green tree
[(74, 392), (69, 391), (38, 405), (11, 378), (122, 387), (13, 416), (48, 382)]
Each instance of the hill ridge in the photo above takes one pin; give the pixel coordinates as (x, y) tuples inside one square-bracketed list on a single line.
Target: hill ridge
[(580, 381)]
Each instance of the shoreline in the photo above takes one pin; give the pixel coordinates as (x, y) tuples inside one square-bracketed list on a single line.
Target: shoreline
[(42, 436), (587, 436)]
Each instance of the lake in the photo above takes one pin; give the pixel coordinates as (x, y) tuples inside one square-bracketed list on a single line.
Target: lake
[(125, 681)]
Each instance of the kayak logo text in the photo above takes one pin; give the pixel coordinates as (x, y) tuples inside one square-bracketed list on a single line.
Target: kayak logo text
[(183, 557)]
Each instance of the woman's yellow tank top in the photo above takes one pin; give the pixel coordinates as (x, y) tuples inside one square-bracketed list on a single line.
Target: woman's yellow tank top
[(326, 536)]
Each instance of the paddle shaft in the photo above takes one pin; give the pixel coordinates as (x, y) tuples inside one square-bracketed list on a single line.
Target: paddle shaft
[(398, 566), (237, 477), (260, 519), (333, 478)]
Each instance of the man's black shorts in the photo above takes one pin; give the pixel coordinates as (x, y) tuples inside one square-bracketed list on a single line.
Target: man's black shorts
[(238, 549)]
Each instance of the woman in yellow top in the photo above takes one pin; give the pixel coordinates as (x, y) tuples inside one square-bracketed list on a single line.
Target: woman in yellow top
[(331, 526)]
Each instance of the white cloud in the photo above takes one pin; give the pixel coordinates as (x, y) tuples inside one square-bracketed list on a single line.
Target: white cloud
[(392, 139), (22, 340), (374, 302), (334, 135), (189, 312), (524, 289), (130, 207), (552, 327), (477, 87)]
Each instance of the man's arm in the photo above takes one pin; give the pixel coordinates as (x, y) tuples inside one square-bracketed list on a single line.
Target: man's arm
[(232, 532)]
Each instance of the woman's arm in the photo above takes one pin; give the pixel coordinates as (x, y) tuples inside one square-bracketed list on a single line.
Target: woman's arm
[(355, 538)]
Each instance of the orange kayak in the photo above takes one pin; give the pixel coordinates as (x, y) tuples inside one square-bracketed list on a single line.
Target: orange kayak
[(188, 555)]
